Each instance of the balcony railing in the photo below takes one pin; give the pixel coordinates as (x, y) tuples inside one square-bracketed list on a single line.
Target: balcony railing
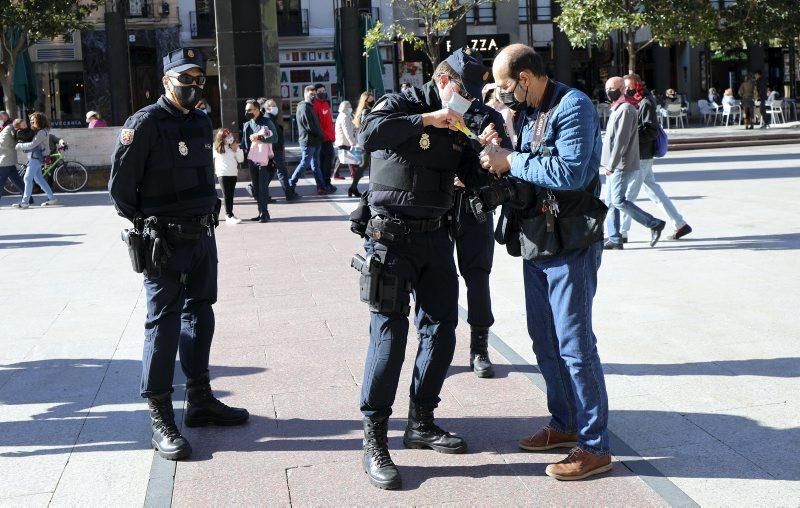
[(293, 22), (201, 25)]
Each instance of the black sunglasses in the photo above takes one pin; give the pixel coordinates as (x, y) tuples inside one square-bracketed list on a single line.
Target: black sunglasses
[(186, 79)]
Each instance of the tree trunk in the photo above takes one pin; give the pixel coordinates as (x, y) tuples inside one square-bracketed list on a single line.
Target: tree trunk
[(432, 46), (630, 43), (7, 81)]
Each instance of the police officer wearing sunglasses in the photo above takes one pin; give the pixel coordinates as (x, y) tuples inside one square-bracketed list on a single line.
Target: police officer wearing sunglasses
[(162, 180)]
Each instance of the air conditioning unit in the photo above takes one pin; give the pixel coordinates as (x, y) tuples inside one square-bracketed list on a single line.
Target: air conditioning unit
[(59, 49)]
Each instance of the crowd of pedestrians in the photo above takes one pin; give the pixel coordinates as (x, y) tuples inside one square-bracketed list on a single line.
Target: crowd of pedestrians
[(326, 144)]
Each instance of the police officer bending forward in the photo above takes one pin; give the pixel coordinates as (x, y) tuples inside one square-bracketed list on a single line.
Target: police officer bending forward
[(162, 179), (415, 151)]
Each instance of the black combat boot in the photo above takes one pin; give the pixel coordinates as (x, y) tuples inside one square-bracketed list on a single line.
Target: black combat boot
[(421, 432), (204, 409), (167, 439), (479, 352), (376, 461)]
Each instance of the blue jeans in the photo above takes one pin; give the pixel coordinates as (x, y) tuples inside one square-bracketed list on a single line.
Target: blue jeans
[(617, 185), (34, 174), (558, 299), (309, 156), (654, 191)]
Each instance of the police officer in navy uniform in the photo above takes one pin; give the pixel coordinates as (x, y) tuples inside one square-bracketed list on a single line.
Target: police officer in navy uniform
[(162, 172), (416, 150), (474, 240)]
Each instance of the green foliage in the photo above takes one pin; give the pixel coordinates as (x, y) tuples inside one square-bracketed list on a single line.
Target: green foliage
[(669, 21), (757, 21), (28, 21), (436, 17)]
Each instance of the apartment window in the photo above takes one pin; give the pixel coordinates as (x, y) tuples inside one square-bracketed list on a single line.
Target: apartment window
[(543, 11), (481, 15)]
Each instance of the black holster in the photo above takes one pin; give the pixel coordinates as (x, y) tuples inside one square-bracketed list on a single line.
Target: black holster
[(134, 239), (384, 292)]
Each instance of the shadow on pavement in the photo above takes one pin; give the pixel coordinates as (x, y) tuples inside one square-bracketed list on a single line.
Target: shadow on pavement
[(728, 174), (677, 159), (788, 241), (768, 367), (5, 242), (68, 413), (57, 409)]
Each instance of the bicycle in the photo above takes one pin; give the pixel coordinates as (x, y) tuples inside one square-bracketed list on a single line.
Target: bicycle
[(69, 176)]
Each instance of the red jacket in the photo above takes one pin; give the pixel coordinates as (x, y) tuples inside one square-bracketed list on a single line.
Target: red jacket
[(325, 115)]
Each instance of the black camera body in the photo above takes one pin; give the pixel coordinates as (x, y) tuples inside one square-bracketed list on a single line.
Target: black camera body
[(506, 190)]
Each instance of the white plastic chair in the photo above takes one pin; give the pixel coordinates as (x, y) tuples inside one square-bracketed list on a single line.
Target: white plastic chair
[(775, 111), (729, 111), (707, 111), (675, 111)]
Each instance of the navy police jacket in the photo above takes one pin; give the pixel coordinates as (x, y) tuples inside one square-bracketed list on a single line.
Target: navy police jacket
[(413, 166), (162, 165)]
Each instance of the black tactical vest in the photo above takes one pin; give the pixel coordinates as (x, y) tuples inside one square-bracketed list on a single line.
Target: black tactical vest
[(416, 179), (179, 174)]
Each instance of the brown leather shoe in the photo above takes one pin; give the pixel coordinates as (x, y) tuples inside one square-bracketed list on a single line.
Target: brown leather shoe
[(578, 465), (547, 439)]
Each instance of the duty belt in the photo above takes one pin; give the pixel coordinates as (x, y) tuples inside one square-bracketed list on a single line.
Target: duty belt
[(394, 228), (185, 228)]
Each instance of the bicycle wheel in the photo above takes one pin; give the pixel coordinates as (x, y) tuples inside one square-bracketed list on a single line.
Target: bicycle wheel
[(71, 176), (9, 187)]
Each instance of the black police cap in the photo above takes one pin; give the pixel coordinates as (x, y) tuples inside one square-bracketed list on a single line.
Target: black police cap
[(181, 60), (472, 71)]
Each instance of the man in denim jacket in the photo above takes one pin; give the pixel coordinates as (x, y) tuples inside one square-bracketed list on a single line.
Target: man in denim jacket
[(558, 290)]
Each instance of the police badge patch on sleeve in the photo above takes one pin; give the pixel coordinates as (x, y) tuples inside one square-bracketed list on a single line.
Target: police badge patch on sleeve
[(126, 136)]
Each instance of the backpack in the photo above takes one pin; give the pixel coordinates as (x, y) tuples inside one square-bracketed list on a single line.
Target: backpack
[(661, 143)]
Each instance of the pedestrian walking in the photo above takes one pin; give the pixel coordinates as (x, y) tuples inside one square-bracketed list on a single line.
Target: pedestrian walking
[(310, 137), (347, 144), (747, 94), (8, 154), (558, 151), (162, 180), (620, 162), (648, 133), (271, 111), (365, 103), (761, 92), (327, 154), (37, 149), (258, 134), (227, 157)]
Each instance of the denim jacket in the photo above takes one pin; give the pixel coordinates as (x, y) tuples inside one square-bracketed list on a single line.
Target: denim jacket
[(572, 145)]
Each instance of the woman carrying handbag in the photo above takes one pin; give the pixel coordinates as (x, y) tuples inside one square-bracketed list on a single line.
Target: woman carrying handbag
[(258, 135), (348, 150)]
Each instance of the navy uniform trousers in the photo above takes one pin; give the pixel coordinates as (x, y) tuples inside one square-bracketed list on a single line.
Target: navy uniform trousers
[(475, 251), (426, 261), (179, 315)]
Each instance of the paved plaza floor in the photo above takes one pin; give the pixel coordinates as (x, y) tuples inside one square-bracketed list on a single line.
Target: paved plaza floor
[(699, 340)]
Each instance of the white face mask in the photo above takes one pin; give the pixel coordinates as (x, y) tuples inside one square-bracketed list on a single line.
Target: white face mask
[(273, 110), (347, 111), (229, 140)]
